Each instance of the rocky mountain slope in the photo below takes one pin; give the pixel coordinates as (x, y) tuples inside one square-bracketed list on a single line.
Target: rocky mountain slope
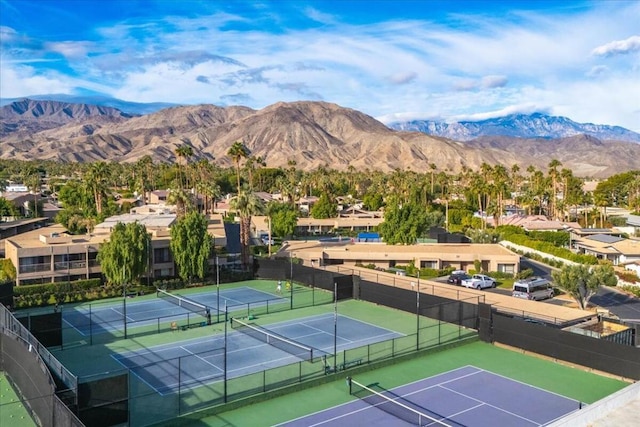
[(312, 134), (535, 125)]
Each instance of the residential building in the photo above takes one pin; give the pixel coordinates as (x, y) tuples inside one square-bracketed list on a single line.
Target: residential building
[(459, 256), (616, 249), (51, 255)]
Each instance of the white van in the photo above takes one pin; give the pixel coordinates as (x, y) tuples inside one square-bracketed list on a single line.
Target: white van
[(535, 288)]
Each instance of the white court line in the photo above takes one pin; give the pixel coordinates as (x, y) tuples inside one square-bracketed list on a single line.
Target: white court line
[(120, 313), (204, 360), (129, 369), (70, 324), (529, 385), (369, 407), (483, 403)]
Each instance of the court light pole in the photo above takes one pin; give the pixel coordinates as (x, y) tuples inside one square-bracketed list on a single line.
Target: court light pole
[(225, 353), (124, 302), (335, 326), (218, 287), (418, 313), (291, 282)]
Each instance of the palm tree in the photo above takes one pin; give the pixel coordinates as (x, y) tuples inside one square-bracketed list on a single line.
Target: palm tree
[(553, 173), (183, 152), (237, 152), (143, 168), (433, 168), (31, 178), (246, 204), (97, 181), (182, 199)]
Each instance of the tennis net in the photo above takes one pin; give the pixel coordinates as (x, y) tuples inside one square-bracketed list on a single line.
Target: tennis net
[(186, 303), (392, 406), (292, 347)]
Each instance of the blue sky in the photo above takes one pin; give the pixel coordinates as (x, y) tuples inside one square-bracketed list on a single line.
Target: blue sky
[(394, 60)]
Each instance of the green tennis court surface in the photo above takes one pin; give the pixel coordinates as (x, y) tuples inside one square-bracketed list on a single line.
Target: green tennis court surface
[(569, 383), (158, 396), (12, 411)]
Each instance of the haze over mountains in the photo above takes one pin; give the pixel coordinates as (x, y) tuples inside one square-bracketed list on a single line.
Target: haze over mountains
[(312, 134)]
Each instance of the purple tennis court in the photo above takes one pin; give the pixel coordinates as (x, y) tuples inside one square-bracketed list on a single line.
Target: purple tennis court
[(468, 396)]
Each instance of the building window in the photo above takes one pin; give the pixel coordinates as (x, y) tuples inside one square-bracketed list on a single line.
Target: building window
[(507, 268), (162, 255), (429, 264)]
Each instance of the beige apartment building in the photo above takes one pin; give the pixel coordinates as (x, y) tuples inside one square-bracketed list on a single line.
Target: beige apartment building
[(49, 254), (460, 256)]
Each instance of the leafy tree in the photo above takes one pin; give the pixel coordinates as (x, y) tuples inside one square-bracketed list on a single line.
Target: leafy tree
[(284, 218), (124, 257), (7, 270), (324, 208), (583, 281), (405, 223), (7, 208), (373, 202), (191, 245)]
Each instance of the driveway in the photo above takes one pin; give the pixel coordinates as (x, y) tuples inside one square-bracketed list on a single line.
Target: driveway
[(625, 307)]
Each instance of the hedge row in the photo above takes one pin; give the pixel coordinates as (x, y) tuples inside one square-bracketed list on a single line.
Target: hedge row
[(549, 248), (52, 288)]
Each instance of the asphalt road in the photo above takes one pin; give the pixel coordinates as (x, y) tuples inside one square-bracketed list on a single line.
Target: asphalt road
[(623, 306)]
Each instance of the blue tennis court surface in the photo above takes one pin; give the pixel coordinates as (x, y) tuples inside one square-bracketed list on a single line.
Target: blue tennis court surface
[(108, 318), (467, 396), (200, 361)]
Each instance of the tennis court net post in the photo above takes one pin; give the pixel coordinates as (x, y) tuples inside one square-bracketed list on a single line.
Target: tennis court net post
[(290, 346), (187, 304), (391, 406)]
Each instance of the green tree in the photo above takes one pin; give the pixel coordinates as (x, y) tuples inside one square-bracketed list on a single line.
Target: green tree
[(97, 180), (125, 256), (284, 218), (191, 245), (7, 208), (404, 223), (246, 204), (324, 208), (373, 202), (237, 152), (583, 281), (183, 152)]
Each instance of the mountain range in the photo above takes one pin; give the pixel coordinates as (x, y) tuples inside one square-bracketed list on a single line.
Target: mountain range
[(536, 125), (312, 134)]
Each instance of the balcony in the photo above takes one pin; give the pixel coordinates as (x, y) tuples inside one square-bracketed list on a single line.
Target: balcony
[(34, 268)]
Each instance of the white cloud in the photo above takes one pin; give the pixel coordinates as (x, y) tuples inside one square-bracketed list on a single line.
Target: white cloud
[(22, 81), (70, 49), (418, 69), (597, 71), (618, 47), (494, 81)]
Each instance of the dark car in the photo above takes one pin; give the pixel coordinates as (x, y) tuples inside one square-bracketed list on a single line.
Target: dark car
[(457, 278)]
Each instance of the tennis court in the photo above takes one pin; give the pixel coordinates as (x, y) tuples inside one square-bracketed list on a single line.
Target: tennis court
[(96, 319), (201, 361), (460, 397)]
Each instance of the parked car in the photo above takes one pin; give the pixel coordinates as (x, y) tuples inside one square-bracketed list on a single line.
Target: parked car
[(456, 278), (479, 281)]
